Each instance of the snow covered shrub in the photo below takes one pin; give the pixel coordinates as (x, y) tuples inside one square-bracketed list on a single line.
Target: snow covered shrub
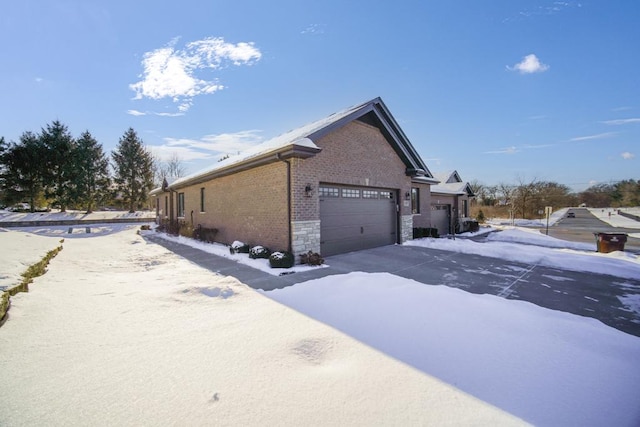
[(238, 247), (259, 252), (311, 258), (281, 260)]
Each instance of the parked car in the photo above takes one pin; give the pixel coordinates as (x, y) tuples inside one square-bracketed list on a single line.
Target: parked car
[(571, 215)]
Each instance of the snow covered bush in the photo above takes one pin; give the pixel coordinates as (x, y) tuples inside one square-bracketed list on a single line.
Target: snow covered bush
[(281, 260), (259, 252), (311, 258), (238, 247)]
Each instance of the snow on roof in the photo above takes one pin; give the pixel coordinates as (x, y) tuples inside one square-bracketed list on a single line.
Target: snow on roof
[(443, 176), (446, 185), (297, 137)]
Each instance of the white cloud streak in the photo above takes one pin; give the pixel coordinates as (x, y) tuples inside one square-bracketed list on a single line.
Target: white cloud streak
[(208, 147), (173, 73), (506, 150), (530, 64), (590, 137), (621, 121)]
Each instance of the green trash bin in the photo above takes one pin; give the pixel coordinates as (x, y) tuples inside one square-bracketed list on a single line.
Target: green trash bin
[(610, 242)]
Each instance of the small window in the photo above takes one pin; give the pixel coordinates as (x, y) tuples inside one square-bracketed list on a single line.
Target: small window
[(329, 192), (202, 199), (166, 205), (350, 193), (386, 195), (369, 194), (180, 204), (415, 200)]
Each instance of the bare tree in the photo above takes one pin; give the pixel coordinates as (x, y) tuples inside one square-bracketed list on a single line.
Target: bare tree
[(170, 169), (525, 191)]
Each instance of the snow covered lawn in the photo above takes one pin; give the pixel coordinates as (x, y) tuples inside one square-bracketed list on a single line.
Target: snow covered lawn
[(124, 332), (549, 368)]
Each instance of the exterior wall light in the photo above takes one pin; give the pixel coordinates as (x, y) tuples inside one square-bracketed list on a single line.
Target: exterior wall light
[(308, 190)]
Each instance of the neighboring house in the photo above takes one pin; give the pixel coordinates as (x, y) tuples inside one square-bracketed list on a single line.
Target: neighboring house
[(450, 203), (336, 185)]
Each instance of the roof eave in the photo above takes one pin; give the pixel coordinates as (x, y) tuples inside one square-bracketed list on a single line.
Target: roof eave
[(280, 154)]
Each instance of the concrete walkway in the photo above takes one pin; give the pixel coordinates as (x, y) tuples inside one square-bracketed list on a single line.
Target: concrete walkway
[(585, 294)]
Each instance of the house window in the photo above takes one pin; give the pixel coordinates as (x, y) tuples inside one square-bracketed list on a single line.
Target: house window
[(166, 205), (180, 205), (350, 193), (465, 208), (202, 199), (369, 194), (415, 200), (329, 192), (386, 195)]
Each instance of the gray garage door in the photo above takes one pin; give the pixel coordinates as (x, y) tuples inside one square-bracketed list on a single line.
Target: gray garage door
[(440, 218), (355, 218)]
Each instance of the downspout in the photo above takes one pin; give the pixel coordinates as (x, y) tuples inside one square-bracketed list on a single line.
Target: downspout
[(289, 248)]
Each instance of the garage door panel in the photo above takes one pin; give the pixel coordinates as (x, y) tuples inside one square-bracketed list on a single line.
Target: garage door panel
[(440, 218), (349, 223)]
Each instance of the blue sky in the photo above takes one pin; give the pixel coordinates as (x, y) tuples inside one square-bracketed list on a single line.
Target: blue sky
[(499, 90)]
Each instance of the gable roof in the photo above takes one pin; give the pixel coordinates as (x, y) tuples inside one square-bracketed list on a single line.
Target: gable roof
[(448, 177), (300, 143), (451, 183)]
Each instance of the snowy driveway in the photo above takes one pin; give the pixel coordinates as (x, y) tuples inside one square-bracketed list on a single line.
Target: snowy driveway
[(583, 293), (600, 296)]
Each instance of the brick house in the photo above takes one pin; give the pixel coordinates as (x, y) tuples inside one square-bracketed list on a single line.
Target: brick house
[(347, 182), (450, 203)]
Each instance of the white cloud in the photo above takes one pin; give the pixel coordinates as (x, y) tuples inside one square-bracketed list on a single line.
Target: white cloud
[(530, 64), (597, 136), (313, 29), (153, 113), (226, 143), (627, 155), (506, 150), (170, 72), (208, 147), (621, 121), (39, 79), (165, 153)]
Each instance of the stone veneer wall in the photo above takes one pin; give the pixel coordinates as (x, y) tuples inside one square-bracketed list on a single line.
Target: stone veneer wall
[(406, 228), (306, 237)]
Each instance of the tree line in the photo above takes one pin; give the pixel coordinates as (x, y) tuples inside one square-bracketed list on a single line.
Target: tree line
[(527, 199), (54, 169)]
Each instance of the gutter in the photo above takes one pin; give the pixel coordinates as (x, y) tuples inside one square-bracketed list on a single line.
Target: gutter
[(288, 162)]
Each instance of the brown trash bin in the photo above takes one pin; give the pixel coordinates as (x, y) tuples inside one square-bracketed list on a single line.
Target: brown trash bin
[(609, 242)]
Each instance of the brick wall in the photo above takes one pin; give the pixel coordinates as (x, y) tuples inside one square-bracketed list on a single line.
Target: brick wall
[(250, 206), (356, 154), (423, 219)]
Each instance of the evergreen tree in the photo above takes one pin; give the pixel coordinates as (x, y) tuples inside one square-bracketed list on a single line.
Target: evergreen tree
[(133, 169), (3, 169), (92, 172), (60, 172), (22, 170)]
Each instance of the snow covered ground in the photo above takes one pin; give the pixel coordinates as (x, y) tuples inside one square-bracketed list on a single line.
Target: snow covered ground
[(8, 216), (121, 331)]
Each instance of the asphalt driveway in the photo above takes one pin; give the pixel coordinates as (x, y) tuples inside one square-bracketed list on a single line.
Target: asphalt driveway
[(584, 294)]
